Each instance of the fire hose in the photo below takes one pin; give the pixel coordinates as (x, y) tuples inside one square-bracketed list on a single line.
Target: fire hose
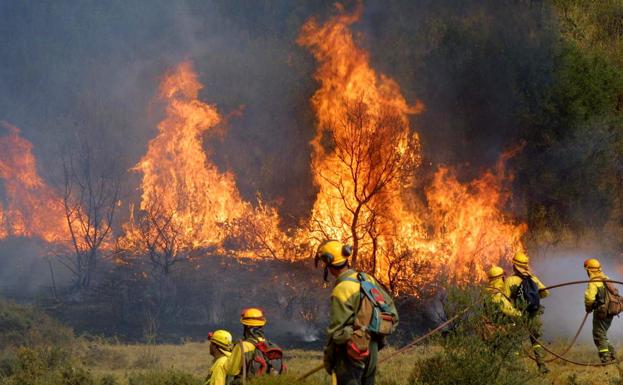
[(557, 356), (405, 348), (449, 321)]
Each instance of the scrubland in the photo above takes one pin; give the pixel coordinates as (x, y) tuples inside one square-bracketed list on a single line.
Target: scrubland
[(105, 363), (37, 350)]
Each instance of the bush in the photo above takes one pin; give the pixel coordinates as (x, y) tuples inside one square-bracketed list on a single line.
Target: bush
[(43, 366), (26, 326), (473, 354)]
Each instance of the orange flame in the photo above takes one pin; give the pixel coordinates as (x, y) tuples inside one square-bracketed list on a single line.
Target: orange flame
[(400, 239), (471, 231), (204, 204), (177, 174), (358, 173), (32, 208)]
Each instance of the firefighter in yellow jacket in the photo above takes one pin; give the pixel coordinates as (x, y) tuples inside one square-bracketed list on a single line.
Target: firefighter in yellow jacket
[(512, 288), (220, 350), (242, 363), (594, 301), (348, 364), (497, 294)]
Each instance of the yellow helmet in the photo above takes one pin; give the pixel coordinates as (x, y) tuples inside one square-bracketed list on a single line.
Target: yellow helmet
[(221, 338), (333, 253), (521, 259), (592, 264), (495, 272), (252, 317)]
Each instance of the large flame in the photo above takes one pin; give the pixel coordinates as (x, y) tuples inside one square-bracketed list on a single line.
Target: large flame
[(199, 203), (397, 237), (177, 174), (362, 169), (471, 232), (31, 208)]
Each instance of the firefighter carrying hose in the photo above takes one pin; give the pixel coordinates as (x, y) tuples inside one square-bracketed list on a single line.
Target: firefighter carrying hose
[(220, 350), (525, 290), (362, 313), (599, 298), (254, 355)]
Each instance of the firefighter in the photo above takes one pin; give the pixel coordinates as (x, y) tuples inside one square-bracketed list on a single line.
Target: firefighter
[(499, 312), (249, 356), (220, 350), (348, 364), (594, 300), (525, 290), (496, 291)]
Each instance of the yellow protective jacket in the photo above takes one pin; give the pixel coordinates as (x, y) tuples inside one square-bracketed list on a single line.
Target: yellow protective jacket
[(345, 300), (499, 297), (590, 295), (218, 373), (512, 284), (234, 363)]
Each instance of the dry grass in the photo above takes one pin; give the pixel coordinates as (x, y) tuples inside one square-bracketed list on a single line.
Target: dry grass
[(121, 361)]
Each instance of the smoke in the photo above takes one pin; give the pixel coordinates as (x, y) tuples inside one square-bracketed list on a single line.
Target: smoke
[(474, 64), (93, 68), (564, 307)]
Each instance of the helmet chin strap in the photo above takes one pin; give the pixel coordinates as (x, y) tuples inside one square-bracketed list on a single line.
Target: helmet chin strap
[(326, 273)]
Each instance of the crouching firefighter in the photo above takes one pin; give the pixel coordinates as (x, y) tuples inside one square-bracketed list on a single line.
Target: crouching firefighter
[(497, 295), (362, 313), (220, 350), (601, 298), (254, 355), (499, 312)]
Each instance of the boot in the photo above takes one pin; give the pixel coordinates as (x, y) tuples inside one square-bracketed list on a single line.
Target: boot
[(613, 354), (543, 369), (605, 357), (540, 359)]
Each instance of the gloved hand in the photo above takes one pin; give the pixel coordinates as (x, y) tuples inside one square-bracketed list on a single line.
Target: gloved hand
[(588, 309)]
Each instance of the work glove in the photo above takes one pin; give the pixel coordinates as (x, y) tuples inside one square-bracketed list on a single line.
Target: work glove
[(343, 335), (588, 309)]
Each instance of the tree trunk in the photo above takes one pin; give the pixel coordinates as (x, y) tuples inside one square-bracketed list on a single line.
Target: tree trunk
[(353, 231)]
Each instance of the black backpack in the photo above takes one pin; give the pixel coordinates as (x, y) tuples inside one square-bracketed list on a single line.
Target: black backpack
[(528, 293)]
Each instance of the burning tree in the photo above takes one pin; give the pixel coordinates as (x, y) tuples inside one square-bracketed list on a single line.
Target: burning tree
[(364, 157), (90, 199), (374, 156), (364, 153)]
